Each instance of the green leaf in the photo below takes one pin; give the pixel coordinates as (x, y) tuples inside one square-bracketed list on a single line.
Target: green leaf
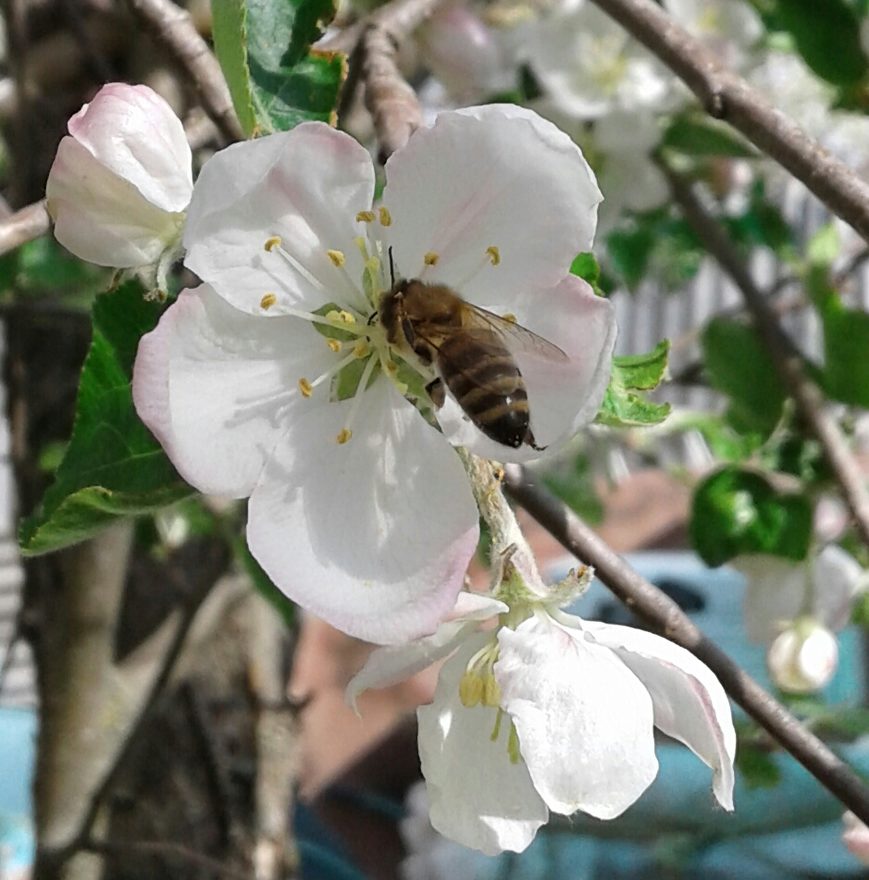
[(113, 466), (737, 511), (757, 766), (845, 375), (740, 366), (824, 246), (828, 38), (229, 31), (696, 135), (585, 266), (275, 79), (622, 406), (573, 482)]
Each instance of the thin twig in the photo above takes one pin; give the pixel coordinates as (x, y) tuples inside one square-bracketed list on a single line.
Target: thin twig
[(174, 28), (23, 226), (392, 102), (661, 612), (111, 850), (808, 398), (727, 96)]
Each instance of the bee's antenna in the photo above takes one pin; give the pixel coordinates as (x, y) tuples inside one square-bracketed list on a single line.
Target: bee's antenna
[(391, 268)]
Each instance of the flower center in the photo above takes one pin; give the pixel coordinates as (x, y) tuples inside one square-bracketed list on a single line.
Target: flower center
[(353, 332)]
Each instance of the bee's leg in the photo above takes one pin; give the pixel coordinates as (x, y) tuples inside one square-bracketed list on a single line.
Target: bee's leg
[(529, 439), (435, 390)]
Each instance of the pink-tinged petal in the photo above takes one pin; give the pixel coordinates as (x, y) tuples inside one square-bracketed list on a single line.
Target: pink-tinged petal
[(584, 719), (216, 387), (563, 395), (477, 795), (690, 704), (776, 592), (372, 535), (490, 176), (837, 580), (134, 133), (311, 183), (855, 836), (388, 666), (101, 217)]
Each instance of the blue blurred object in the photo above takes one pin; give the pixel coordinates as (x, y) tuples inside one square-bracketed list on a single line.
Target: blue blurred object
[(17, 738)]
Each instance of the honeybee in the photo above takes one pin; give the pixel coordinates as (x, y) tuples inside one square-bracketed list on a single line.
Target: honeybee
[(472, 350)]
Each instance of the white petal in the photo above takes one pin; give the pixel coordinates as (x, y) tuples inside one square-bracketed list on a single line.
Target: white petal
[(803, 658), (484, 176), (388, 666), (776, 592), (101, 217), (837, 579), (584, 720), (373, 535), (134, 133), (562, 395), (477, 796), (690, 704), (313, 181), (210, 382)]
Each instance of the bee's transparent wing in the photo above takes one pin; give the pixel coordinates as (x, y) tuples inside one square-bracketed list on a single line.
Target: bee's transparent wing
[(514, 336)]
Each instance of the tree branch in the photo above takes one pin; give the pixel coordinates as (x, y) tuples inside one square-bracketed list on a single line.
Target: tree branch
[(807, 396), (661, 612), (173, 27), (23, 226), (392, 102), (727, 96)]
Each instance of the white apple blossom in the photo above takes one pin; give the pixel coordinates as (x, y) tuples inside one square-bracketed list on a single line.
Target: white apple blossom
[(779, 591), (588, 66), (275, 379), (548, 712), (122, 179), (729, 28)]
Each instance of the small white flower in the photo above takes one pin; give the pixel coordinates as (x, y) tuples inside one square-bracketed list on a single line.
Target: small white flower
[(728, 27), (779, 591), (121, 179), (548, 712), (803, 658), (589, 66), (359, 509)]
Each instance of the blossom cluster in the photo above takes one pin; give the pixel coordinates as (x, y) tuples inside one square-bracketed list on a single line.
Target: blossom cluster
[(279, 379)]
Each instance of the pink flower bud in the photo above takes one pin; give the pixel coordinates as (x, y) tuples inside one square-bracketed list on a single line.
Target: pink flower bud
[(121, 179), (803, 658)]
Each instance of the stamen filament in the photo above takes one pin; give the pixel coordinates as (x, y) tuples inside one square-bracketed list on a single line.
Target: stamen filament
[(346, 432)]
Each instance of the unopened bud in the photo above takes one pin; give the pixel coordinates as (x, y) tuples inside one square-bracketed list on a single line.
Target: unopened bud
[(803, 658), (856, 837)]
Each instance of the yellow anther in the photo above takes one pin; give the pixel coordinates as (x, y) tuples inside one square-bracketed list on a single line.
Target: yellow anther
[(334, 344), (268, 301), (362, 348), (365, 217), (391, 368), (510, 317), (491, 691), (305, 387), (385, 216), (494, 254), (372, 264), (431, 258), (272, 242), (470, 689), (344, 435), (340, 317), (338, 259)]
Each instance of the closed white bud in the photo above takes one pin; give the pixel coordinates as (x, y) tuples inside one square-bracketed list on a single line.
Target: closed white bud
[(856, 837), (122, 179), (803, 658)]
